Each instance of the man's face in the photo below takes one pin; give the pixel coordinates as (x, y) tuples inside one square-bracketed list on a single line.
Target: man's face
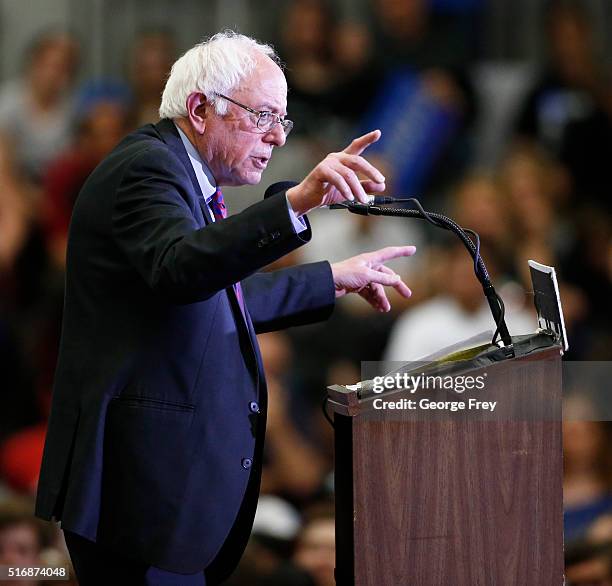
[(236, 151)]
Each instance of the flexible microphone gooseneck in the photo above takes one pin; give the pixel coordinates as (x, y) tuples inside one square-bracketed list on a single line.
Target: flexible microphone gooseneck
[(441, 221)]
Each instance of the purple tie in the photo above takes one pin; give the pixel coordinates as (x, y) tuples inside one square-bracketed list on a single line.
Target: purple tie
[(217, 206)]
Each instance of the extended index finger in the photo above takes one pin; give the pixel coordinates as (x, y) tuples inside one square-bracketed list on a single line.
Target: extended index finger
[(362, 143), (389, 253)]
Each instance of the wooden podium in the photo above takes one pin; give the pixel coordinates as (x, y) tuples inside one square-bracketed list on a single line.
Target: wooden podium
[(465, 498)]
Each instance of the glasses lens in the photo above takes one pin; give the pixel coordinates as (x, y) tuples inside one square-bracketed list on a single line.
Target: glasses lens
[(266, 121), (287, 126)]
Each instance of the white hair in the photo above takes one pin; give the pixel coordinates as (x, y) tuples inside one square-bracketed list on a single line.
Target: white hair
[(215, 66)]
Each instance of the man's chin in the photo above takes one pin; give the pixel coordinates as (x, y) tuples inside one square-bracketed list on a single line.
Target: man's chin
[(245, 178), (252, 178)]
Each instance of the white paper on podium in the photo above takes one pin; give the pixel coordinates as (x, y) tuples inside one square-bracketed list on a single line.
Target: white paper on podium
[(477, 340), (548, 301)]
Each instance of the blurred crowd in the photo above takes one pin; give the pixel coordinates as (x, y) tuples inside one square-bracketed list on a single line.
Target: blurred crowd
[(413, 69)]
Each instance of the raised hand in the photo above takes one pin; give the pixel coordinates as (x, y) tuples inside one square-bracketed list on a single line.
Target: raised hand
[(335, 178)]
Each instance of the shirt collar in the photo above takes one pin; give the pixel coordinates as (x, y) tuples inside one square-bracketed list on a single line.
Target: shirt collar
[(203, 174)]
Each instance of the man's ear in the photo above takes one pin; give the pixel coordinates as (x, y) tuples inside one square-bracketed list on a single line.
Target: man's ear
[(196, 111)]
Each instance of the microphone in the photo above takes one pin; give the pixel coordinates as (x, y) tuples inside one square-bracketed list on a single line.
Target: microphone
[(279, 187), (378, 200), (358, 207)]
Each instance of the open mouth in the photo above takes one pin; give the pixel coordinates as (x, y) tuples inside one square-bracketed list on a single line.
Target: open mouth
[(261, 162)]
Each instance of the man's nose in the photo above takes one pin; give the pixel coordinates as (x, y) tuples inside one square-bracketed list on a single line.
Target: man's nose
[(276, 135)]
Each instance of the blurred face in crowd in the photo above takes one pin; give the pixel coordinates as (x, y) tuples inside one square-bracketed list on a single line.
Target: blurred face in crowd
[(582, 443), (352, 45), (402, 17), (460, 281), (104, 127), (316, 551), (19, 546), (52, 67), (152, 58), (479, 206), (593, 572), (307, 28), (529, 184), (236, 151), (571, 44)]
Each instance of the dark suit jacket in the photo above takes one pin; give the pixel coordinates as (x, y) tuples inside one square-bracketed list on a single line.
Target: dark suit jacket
[(156, 432)]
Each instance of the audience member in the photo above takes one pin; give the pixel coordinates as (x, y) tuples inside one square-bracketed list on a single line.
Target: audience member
[(585, 150), (306, 47), (588, 565), (35, 110), (534, 188), (478, 203), (102, 118), (315, 551), (15, 214), (587, 486), (411, 33), (566, 88), (151, 56), (425, 104), (22, 539), (359, 74), (292, 468)]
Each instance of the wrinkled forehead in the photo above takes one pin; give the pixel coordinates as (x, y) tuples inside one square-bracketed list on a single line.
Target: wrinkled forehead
[(265, 86)]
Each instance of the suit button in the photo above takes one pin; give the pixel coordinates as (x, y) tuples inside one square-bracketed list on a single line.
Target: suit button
[(247, 463), (254, 407)]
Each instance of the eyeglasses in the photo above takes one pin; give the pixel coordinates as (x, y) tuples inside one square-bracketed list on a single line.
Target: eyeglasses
[(266, 121)]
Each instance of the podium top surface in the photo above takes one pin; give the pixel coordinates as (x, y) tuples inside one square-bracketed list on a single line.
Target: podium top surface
[(353, 399)]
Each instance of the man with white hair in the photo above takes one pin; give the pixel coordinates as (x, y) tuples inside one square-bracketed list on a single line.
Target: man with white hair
[(153, 455)]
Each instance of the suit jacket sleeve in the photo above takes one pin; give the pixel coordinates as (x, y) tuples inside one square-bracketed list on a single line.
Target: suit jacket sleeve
[(154, 224), (290, 297)]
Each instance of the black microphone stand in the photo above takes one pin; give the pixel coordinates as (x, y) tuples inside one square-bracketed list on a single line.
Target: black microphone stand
[(441, 221)]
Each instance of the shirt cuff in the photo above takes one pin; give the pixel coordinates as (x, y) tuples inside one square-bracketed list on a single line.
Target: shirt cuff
[(299, 225)]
